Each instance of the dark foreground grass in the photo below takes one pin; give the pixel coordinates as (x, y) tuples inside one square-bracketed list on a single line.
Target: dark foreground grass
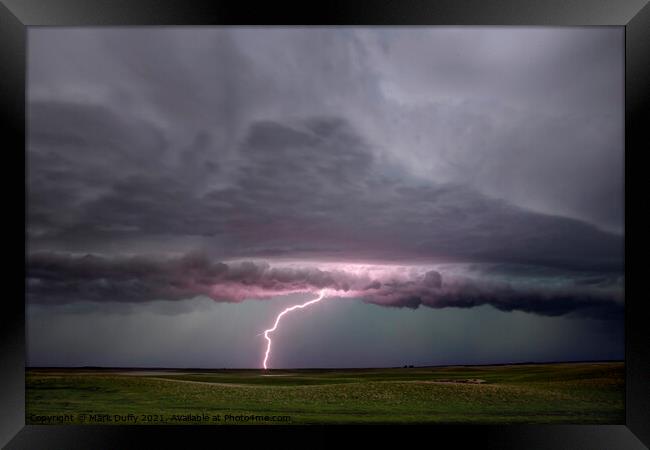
[(581, 393)]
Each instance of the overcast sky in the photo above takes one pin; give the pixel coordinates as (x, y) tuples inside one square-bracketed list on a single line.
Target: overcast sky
[(434, 180)]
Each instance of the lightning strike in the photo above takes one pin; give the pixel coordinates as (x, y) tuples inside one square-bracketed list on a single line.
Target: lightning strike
[(321, 296)]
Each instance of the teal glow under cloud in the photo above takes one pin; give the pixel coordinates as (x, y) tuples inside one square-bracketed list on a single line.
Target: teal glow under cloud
[(334, 333)]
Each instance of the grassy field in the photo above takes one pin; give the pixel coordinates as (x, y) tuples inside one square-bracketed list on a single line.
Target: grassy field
[(580, 393)]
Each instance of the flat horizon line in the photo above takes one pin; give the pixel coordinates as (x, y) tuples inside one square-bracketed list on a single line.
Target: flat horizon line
[(406, 366)]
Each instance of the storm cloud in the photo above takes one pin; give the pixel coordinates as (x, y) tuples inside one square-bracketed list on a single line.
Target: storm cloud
[(61, 279), (311, 188), (478, 148)]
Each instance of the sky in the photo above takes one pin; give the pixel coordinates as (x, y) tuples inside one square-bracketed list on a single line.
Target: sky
[(457, 192)]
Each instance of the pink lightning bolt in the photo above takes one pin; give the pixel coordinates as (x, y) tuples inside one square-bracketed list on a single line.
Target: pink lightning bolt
[(277, 322)]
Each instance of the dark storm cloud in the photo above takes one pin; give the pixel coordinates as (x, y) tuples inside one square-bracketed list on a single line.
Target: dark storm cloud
[(309, 187), (63, 279), (489, 147), (532, 116), (60, 279), (602, 303)]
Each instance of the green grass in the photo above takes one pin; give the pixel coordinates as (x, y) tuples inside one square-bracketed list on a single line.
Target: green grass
[(581, 393)]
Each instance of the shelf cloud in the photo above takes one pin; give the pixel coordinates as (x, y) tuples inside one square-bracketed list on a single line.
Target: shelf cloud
[(61, 279)]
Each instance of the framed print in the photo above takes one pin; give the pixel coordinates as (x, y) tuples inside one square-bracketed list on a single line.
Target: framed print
[(276, 222)]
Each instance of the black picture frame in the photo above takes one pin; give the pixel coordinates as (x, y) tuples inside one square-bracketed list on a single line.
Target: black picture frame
[(17, 15)]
